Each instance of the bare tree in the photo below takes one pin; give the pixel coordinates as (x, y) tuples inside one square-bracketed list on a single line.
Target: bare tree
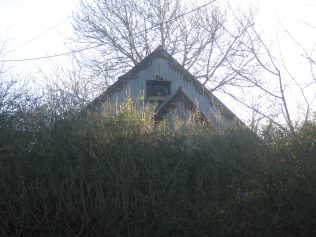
[(206, 41), (219, 45), (12, 92), (66, 86), (277, 87)]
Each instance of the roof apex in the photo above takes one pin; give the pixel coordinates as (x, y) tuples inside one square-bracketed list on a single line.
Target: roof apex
[(160, 52), (160, 47)]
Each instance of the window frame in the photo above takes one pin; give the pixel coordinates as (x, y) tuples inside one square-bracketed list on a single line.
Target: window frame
[(152, 97)]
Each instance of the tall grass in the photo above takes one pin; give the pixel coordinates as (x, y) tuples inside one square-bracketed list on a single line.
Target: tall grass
[(124, 175)]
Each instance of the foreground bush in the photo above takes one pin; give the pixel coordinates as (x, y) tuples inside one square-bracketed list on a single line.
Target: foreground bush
[(125, 176)]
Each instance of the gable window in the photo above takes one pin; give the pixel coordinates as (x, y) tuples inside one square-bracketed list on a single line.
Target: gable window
[(157, 90)]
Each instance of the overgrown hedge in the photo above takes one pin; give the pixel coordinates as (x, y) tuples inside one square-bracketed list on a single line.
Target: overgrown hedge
[(126, 176)]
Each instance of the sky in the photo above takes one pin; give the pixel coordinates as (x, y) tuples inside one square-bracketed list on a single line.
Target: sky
[(37, 28)]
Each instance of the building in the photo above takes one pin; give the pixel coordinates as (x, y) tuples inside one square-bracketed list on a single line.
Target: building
[(159, 79)]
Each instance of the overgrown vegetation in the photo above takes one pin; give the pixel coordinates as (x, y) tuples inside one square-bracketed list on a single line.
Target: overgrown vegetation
[(124, 175)]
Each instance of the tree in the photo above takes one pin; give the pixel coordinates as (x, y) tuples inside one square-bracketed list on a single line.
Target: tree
[(222, 47), (278, 86), (207, 42), (67, 87), (12, 92)]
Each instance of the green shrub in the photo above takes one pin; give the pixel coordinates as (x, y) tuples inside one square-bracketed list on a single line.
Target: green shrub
[(123, 175)]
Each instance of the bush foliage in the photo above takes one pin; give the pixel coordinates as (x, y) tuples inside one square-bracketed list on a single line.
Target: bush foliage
[(124, 175)]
